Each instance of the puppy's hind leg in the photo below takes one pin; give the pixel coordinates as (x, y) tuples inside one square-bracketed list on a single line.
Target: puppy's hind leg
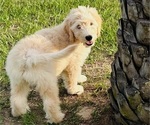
[(71, 79), (18, 99), (49, 93), (82, 78)]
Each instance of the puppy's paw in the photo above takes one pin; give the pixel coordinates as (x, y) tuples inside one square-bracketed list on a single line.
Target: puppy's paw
[(82, 78), (56, 118), (78, 89), (18, 111)]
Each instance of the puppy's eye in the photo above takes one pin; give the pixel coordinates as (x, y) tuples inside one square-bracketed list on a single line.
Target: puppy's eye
[(91, 23), (78, 26)]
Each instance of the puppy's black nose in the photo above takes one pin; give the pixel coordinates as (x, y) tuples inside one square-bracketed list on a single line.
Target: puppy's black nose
[(88, 38)]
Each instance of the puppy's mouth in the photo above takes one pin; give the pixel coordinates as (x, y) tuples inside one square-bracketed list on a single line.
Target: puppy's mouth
[(89, 43)]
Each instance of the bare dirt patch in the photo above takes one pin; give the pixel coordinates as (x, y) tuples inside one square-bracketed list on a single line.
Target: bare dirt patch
[(86, 112)]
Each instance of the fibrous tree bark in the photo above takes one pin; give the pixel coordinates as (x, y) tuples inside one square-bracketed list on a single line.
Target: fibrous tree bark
[(130, 77)]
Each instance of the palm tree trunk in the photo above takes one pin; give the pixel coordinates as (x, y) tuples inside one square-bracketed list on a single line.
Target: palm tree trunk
[(130, 77)]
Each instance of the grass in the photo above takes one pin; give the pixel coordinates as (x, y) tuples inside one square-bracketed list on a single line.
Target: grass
[(19, 18)]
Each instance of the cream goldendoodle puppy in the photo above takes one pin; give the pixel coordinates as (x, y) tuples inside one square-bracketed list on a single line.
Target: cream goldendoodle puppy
[(37, 60)]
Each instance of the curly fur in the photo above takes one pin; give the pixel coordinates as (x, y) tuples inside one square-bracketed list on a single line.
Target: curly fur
[(38, 59)]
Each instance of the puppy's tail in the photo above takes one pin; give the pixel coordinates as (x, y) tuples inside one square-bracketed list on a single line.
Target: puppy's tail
[(33, 58)]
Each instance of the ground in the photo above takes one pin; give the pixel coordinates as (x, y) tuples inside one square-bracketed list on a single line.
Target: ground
[(90, 108)]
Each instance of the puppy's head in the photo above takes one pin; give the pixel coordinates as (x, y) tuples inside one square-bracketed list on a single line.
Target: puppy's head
[(83, 24)]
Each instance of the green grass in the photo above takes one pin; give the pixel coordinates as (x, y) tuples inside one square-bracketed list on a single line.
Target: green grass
[(23, 17), (19, 18)]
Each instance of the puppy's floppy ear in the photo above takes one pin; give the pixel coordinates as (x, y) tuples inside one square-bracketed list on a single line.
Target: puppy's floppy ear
[(98, 19), (68, 30)]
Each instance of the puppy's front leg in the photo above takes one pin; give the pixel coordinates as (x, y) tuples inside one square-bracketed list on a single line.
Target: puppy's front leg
[(71, 77)]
